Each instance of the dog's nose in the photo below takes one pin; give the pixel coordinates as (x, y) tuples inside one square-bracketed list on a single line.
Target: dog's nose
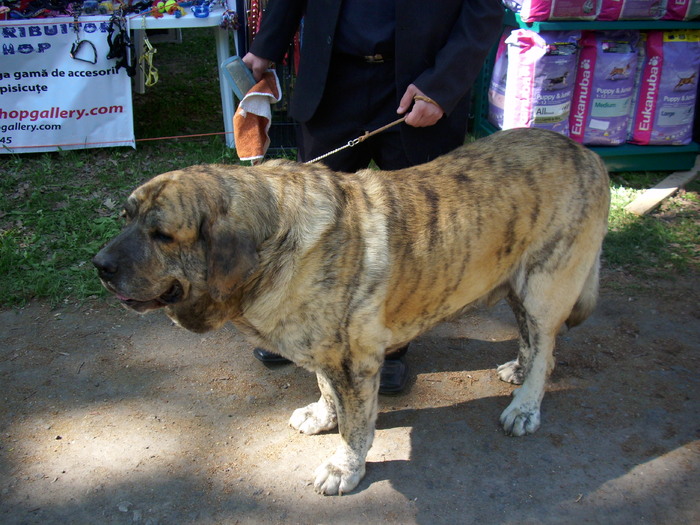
[(105, 265)]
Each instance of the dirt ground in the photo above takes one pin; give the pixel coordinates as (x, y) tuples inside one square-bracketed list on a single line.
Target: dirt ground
[(110, 417)]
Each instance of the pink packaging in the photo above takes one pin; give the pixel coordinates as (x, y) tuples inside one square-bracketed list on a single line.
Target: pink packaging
[(632, 9), (605, 81), (533, 80), (497, 87), (541, 10), (682, 10), (514, 84), (667, 90)]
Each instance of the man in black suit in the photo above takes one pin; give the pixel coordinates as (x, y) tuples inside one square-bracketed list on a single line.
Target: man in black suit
[(362, 64)]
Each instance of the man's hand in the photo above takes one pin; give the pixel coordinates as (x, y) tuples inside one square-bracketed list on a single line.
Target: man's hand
[(257, 65), (425, 111)]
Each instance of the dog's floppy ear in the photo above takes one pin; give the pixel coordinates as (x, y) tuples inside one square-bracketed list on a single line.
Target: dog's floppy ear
[(231, 258)]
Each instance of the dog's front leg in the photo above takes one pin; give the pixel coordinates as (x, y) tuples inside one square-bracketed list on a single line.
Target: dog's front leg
[(317, 417), (355, 397)]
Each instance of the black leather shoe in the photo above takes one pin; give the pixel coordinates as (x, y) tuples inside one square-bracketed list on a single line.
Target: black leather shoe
[(398, 353), (269, 358), (394, 374)]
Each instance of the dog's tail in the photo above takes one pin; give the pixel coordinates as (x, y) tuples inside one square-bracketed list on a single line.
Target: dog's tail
[(589, 295)]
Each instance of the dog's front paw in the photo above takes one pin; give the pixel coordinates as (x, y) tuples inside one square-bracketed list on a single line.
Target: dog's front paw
[(314, 418), (338, 475), (511, 372), (521, 418)]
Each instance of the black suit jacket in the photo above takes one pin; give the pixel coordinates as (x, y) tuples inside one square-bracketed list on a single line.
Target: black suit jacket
[(440, 47)]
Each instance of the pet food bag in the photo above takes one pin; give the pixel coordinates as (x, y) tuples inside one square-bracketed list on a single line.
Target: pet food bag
[(539, 80), (667, 88), (604, 89), (540, 10), (682, 10), (632, 9), (497, 86)]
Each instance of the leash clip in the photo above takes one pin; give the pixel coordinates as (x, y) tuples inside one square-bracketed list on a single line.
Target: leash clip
[(75, 48), (356, 141)]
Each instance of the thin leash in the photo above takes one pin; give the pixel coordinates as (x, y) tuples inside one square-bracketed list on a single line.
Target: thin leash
[(355, 142)]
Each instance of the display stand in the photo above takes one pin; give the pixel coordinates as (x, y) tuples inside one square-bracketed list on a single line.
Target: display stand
[(140, 23), (625, 157)]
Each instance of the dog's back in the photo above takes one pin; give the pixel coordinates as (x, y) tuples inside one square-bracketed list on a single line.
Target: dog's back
[(491, 214)]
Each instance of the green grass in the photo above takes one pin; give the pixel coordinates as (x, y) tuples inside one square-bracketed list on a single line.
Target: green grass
[(57, 209), (661, 244)]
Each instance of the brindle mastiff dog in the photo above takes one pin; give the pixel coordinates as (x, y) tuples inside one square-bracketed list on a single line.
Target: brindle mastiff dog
[(331, 270)]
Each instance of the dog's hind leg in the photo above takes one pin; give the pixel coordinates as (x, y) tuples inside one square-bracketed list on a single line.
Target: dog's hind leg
[(532, 368), (541, 303), (317, 417), (513, 371)]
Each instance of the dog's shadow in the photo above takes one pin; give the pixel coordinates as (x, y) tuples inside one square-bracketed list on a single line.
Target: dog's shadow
[(461, 461)]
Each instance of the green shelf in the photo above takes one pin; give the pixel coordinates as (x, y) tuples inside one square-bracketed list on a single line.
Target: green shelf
[(631, 157), (625, 157), (513, 19)]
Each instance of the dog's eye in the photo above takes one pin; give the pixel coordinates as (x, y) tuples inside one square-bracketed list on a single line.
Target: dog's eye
[(162, 237)]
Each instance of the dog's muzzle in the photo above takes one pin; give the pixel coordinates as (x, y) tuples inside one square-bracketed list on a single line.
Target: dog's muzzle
[(173, 295), (108, 271)]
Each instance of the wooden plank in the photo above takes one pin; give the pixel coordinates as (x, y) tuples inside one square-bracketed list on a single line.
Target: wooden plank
[(652, 197)]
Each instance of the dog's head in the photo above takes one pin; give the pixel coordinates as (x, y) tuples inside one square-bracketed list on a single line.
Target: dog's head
[(183, 248)]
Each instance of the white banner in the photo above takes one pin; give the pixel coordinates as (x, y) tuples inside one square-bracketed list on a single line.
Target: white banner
[(50, 101)]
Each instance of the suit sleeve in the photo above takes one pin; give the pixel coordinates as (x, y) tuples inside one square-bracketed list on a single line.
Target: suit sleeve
[(458, 62), (280, 22)]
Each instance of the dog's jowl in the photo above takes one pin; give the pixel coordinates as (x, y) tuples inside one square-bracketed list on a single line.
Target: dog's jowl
[(330, 270)]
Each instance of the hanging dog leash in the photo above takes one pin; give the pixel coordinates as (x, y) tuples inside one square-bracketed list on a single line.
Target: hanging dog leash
[(355, 142), (121, 47), (77, 51), (150, 73)]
